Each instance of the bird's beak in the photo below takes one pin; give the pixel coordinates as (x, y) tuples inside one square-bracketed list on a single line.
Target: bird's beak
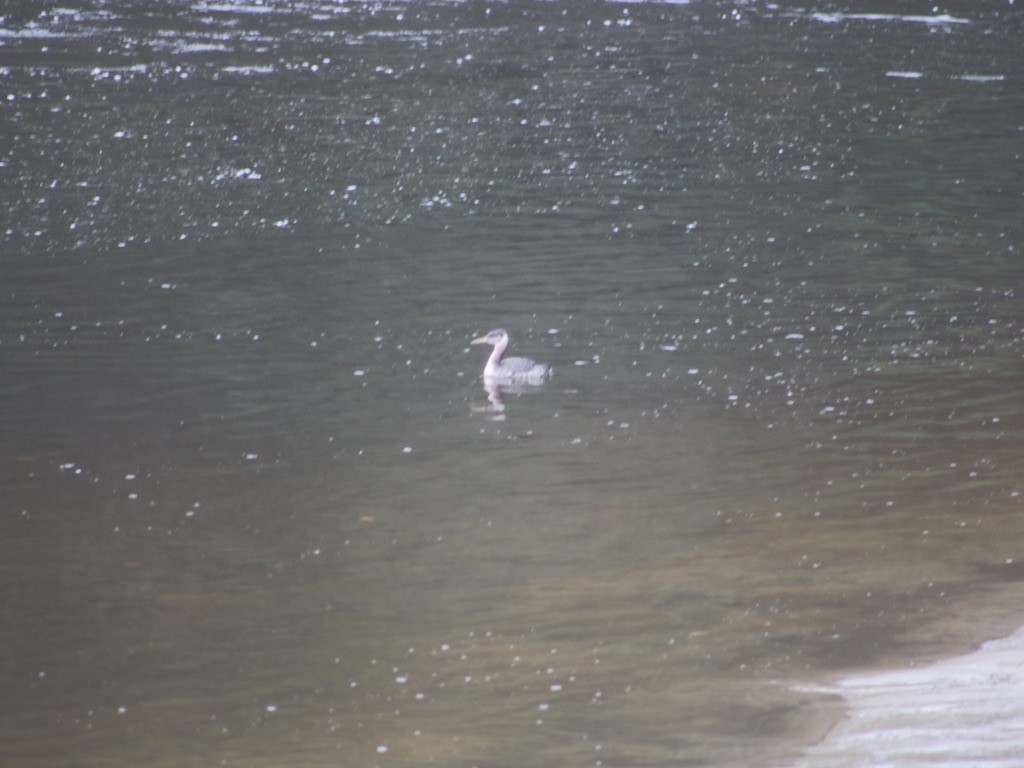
[(481, 340)]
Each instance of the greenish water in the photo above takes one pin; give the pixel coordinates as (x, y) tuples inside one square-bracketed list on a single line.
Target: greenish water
[(259, 509)]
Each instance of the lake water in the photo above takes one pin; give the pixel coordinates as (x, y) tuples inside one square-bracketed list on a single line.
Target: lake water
[(259, 509)]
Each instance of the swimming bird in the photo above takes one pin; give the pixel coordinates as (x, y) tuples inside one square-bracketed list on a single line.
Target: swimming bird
[(511, 370)]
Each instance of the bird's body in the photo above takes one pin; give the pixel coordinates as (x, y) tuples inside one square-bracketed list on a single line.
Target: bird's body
[(510, 370)]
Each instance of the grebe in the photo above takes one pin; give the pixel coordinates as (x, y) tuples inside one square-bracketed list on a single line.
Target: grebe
[(511, 370)]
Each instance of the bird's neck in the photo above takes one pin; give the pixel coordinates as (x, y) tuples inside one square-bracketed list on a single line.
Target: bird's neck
[(495, 359)]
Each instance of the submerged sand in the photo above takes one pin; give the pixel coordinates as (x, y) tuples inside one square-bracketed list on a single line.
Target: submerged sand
[(965, 711)]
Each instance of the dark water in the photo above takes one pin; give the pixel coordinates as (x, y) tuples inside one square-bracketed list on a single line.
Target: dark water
[(257, 509)]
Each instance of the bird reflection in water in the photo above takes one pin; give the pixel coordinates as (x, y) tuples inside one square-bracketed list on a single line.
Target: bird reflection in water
[(512, 375)]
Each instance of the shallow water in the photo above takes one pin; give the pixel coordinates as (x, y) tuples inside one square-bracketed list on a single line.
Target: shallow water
[(259, 507)]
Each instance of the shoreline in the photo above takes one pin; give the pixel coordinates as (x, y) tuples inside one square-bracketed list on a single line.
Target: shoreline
[(968, 709)]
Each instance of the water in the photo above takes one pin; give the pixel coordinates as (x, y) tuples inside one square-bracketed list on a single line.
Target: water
[(259, 508)]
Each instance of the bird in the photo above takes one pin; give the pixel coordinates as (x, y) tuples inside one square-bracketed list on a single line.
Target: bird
[(511, 370)]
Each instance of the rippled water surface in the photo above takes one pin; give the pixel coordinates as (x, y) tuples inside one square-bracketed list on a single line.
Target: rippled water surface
[(258, 508)]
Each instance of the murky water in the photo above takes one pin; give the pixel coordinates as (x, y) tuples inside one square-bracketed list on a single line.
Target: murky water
[(259, 509)]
